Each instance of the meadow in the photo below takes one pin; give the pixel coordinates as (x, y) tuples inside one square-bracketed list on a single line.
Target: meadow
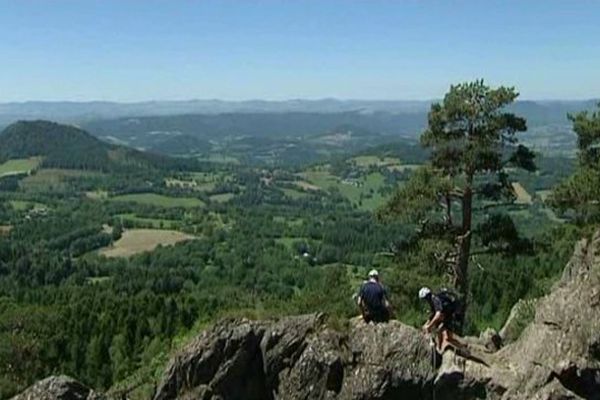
[(19, 166), (136, 241), (159, 200), (362, 191)]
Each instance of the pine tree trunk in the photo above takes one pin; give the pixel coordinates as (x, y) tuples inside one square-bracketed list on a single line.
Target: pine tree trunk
[(464, 251)]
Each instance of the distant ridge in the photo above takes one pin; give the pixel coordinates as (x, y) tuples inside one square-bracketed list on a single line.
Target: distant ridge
[(72, 111)]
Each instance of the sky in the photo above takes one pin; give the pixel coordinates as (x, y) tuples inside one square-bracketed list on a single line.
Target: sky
[(123, 50)]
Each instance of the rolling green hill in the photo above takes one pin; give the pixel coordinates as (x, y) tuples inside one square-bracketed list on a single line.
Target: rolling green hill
[(67, 146)]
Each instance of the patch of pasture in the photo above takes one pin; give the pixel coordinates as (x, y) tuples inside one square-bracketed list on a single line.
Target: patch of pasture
[(291, 222), (375, 161), (523, 197), (20, 205), (403, 167), (159, 200), (5, 229), (222, 197), (98, 279), (135, 241), (294, 194), (97, 194), (306, 186), (362, 191), (52, 179), (19, 166), (543, 194), (219, 158), (155, 223)]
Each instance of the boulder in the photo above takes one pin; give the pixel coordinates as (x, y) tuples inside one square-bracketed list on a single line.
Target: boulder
[(58, 388)]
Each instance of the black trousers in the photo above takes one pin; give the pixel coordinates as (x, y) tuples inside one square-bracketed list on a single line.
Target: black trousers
[(376, 316)]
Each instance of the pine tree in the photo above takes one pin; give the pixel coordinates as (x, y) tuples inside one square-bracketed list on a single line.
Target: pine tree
[(472, 141), (581, 192)]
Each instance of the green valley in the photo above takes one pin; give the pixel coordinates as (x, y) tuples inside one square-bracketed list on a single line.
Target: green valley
[(117, 258)]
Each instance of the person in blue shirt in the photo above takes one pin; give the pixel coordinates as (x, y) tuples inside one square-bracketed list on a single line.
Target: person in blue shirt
[(373, 301)]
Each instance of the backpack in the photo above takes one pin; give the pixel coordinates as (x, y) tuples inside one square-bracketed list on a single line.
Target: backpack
[(451, 303)]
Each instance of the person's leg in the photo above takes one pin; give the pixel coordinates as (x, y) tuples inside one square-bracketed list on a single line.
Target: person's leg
[(440, 340), (444, 340), (451, 339), (448, 339)]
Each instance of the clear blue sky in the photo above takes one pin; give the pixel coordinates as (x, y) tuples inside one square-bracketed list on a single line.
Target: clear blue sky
[(174, 49)]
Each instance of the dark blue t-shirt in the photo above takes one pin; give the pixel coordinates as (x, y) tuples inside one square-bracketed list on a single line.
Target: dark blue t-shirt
[(373, 295), (442, 303), (437, 305)]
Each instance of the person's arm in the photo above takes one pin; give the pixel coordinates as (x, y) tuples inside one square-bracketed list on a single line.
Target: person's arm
[(437, 317), (386, 301), (359, 300)]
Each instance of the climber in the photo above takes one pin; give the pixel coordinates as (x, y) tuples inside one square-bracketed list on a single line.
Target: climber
[(373, 301), (445, 307)]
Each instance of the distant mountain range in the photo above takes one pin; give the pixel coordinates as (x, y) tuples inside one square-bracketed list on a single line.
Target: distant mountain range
[(85, 111), (76, 112), (187, 127)]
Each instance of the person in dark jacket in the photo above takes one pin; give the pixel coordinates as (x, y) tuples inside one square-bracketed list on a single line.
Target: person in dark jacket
[(373, 301)]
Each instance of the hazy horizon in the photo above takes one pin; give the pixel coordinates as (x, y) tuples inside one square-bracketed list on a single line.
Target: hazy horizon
[(282, 100)]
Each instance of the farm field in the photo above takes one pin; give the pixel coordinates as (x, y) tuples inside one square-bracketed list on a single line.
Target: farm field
[(155, 223), (97, 194), (376, 161), (53, 179), (306, 186), (523, 197), (543, 194), (219, 158), (159, 200), (19, 166), (294, 194), (190, 184), (403, 167), (363, 191), (136, 241), (20, 205), (222, 198), (197, 181)]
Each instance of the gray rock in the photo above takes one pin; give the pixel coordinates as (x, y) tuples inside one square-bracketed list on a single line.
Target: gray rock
[(58, 388), (520, 315)]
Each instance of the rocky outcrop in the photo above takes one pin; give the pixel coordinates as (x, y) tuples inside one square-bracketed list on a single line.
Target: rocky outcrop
[(299, 358), (562, 344), (58, 388), (555, 357)]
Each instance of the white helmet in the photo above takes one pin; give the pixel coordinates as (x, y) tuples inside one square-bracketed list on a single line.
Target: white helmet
[(373, 273), (424, 292)]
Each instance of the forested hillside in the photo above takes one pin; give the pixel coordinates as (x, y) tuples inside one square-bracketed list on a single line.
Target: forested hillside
[(66, 146), (111, 257)]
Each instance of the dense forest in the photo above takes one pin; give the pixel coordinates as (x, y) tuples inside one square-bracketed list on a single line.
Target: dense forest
[(81, 293)]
